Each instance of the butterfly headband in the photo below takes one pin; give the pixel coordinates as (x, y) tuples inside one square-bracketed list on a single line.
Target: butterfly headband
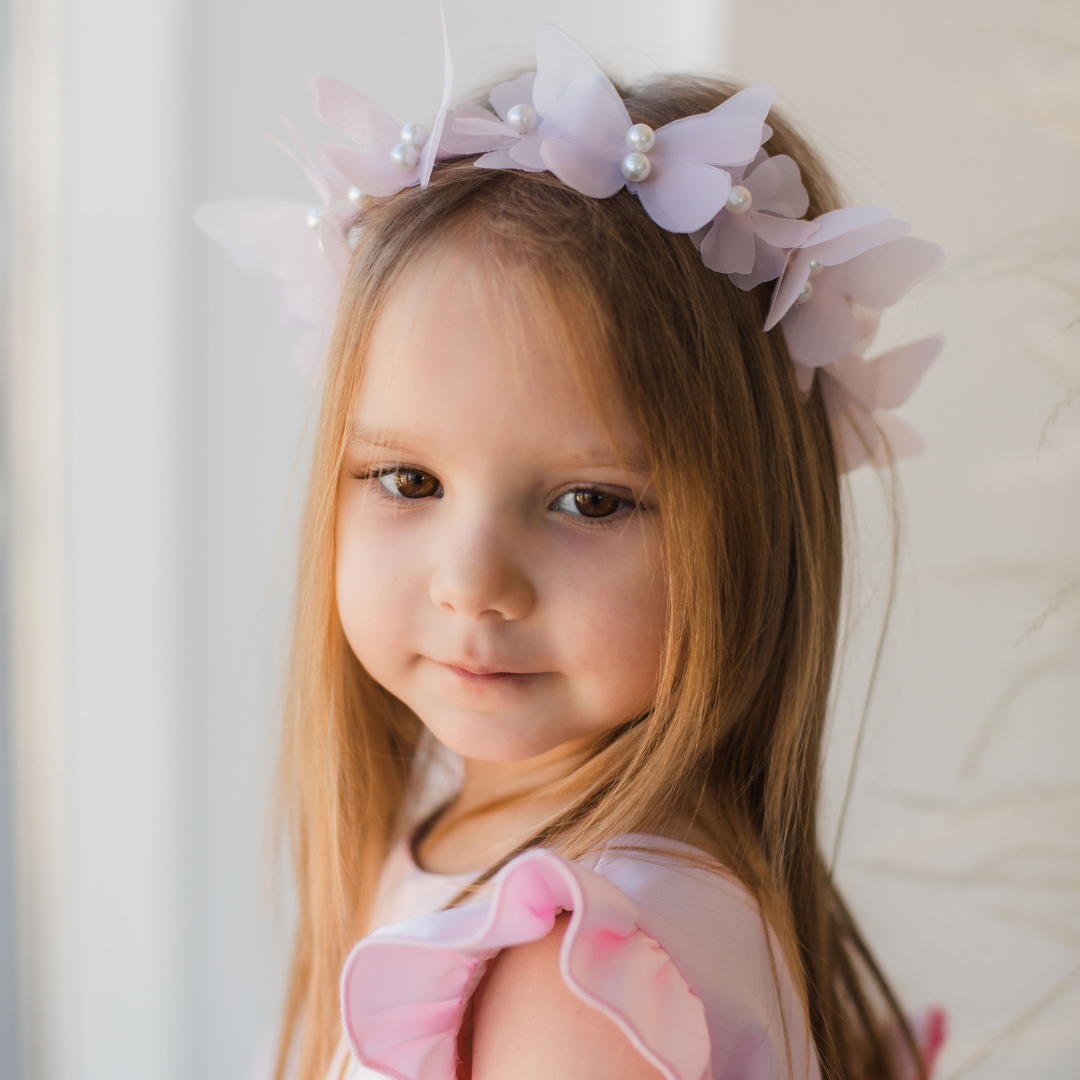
[(706, 175)]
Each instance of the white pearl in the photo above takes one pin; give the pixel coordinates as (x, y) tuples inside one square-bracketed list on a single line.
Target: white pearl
[(414, 135), (313, 218), (521, 118), (804, 294), (738, 202), (815, 268), (405, 156), (641, 138), (360, 199), (636, 167)]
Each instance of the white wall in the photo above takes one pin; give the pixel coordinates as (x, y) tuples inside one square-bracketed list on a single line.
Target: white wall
[(100, 638), (154, 426), (9, 983)]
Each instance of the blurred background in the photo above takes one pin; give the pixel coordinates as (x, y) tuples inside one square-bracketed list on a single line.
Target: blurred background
[(152, 465)]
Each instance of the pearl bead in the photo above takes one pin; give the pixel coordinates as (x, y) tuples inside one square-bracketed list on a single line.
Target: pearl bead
[(405, 156), (804, 294), (636, 167), (815, 268), (641, 138), (360, 199), (414, 135), (521, 118), (313, 218), (738, 202)]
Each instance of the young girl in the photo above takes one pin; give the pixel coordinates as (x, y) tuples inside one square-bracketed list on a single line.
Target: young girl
[(570, 586)]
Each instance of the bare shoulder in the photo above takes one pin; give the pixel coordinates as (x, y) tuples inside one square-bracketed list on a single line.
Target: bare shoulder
[(529, 1025)]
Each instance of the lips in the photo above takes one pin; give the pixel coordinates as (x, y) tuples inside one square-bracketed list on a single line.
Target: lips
[(481, 674), (481, 669)]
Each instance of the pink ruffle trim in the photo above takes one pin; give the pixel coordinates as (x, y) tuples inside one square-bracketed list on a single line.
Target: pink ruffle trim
[(405, 986)]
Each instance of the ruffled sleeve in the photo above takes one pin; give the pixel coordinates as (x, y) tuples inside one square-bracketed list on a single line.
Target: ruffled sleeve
[(404, 987), (672, 949)]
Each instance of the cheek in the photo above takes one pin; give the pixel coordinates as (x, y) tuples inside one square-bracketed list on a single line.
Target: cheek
[(613, 612), (372, 585)]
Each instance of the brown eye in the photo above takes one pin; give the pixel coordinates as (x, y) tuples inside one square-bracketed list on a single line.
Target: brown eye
[(588, 503), (595, 504), (411, 484)]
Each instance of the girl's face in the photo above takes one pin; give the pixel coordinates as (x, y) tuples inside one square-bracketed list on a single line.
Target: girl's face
[(498, 559)]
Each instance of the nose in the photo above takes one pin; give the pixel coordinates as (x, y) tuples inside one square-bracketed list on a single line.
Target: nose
[(480, 576)]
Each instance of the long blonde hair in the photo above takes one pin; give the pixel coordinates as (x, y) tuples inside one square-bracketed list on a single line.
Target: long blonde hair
[(750, 505)]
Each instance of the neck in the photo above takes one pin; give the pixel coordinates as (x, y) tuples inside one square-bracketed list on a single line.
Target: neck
[(499, 806), (497, 781)]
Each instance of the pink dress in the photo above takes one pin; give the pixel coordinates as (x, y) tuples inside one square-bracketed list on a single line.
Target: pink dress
[(675, 954)]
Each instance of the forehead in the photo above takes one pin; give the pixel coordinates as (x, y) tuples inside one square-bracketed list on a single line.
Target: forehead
[(464, 350)]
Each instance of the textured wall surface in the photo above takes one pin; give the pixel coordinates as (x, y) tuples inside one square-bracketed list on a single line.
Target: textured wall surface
[(961, 851)]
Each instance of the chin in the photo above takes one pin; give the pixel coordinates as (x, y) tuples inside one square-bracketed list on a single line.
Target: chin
[(491, 738)]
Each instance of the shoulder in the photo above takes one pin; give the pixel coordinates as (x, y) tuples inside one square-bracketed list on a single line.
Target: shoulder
[(528, 1024), (638, 952)]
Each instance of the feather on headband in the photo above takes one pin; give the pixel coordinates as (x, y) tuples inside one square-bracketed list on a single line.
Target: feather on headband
[(706, 175)]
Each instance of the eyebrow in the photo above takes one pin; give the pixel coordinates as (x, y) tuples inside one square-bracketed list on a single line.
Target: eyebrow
[(385, 440), (600, 459)]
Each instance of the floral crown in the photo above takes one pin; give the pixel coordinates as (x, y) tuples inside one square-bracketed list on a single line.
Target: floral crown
[(706, 175)]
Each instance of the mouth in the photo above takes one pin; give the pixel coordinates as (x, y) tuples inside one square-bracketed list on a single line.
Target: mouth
[(481, 675)]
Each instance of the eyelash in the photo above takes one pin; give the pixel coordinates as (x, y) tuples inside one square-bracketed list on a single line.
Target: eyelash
[(391, 470), (606, 522)]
